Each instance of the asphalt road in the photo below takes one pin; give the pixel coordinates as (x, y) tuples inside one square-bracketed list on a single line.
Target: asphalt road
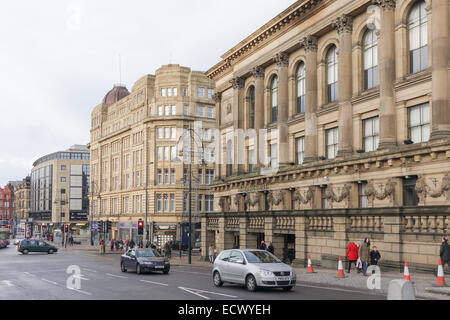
[(39, 276)]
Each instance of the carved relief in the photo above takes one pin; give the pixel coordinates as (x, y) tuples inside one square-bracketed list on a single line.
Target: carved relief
[(309, 43), (258, 72), (385, 4), (423, 190), (217, 97), (304, 198), (229, 108), (331, 195), (282, 59), (252, 199), (343, 24), (237, 83), (275, 198), (388, 191)]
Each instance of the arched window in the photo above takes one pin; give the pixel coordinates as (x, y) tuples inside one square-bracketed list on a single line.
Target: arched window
[(274, 93), (252, 107), (370, 59), (332, 74), (301, 90), (418, 41)]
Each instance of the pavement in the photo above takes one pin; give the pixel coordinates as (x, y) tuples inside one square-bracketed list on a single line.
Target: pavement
[(423, 283), (40, 276)]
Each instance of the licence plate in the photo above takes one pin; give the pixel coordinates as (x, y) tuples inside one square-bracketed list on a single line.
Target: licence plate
[(159, 267), (283, 279)]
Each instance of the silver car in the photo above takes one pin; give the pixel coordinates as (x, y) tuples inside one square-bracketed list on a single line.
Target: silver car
[(252, 268)]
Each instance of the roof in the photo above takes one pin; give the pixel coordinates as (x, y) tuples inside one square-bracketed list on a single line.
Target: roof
[(117, 93)]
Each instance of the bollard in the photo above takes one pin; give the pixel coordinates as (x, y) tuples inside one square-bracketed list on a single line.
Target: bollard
[(401, 289)]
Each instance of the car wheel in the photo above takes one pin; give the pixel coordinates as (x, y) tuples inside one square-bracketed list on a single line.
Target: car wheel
[(287, 288), (122, 267), (50, 251), (250, 283), (138, 269), (25, 251), (217, 279)]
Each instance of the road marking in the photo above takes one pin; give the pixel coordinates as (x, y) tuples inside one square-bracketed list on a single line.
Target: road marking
[(30, 274), (200, 273), (116, 276), (339, 289), (89, 270), (81, 291), (197, 293), (49, 281), (158, 283), (80, 277), (8, 283)]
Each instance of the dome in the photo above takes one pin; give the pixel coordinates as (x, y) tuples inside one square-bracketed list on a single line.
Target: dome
[(117, 93)]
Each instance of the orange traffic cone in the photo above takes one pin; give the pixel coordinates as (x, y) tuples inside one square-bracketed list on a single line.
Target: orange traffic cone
[(406, 275), (440, 276), (310, 267), (340, 269)]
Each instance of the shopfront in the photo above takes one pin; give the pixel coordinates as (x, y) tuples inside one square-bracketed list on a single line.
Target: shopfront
[(164, 233)]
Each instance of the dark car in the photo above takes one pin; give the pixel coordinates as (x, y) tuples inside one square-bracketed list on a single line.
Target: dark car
[(144, 260), (33, 245)]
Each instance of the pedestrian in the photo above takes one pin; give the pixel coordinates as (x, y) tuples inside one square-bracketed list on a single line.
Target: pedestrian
[(375, 256), (127, 243), (211, 253), (112, 244), (132, 244), (445, 252), (364, 254), (352, 255), (116, 244), (263, 245), (167, 250), (270, 248)]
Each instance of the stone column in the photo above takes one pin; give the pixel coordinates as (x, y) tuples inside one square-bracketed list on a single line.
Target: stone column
[(258, 74), (388, 132), (440, 59), (238, 121), (218, 99), (301, 245), (282, 60), (310, 45), (343, 25)]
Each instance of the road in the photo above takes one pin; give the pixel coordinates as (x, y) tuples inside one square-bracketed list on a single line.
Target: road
[(39, 276)]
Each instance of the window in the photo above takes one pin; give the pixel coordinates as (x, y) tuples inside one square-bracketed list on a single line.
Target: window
[(251, 160), (274, 155), (174, 133), (172, 176), (363, 199), (274, 96), (184, 92), (174, 110), (160, 133), (418, 42), (63, 167), (158, 203), (175, 92), (186, 110), (324, 198), (332, 142), (201, 92), (185, 176), (166, 202), (370, 59), (167, 110), (301, 88), (159, 179), (166, 133), (300, 149), (251, 123), (160, 111), (63, 179), (63, 191), (209, 177), (172, 203), (199, 203), (210, 113), (166, 176), (166, 153), (169, 92), (371, 134), (210, 93), (200, 111), (163, 92), (160, 151), (409, 192), (200, 176), (332, 74), (209, 203), (173, 153), (419, 123)]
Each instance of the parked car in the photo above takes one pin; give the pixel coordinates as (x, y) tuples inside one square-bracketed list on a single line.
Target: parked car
[(4, 243), (144, 260), (33, 245), (254, 269)]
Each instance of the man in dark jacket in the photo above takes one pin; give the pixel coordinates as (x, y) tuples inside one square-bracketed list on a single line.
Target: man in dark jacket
[(364, 254), (374, 256), (263, 245), (445, 252), (270, 248)]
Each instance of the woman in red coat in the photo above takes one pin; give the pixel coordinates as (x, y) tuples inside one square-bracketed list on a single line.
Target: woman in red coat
[(352, 254)]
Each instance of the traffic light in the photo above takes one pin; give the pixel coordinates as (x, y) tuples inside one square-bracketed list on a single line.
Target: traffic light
[(66, 228), (140, 227), (100, 226), (108, 226)]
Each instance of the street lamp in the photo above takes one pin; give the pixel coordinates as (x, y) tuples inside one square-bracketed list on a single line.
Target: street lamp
[(178, 160), (93, 186), (146, 231)]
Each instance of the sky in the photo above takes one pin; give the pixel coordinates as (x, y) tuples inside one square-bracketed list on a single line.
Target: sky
[(59, 58)]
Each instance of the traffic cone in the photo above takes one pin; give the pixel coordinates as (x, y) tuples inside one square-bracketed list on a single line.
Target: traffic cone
[(310, 267), (440, 276), (340, 269), (406, 275)]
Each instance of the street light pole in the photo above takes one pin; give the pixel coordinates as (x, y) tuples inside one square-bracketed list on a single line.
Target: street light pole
[(190, 210)]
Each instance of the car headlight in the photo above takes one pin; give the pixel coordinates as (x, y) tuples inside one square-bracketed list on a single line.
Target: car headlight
[(294, 276), (266, 273)]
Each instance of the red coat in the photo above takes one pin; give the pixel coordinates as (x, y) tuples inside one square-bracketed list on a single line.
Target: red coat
[(352, 252)]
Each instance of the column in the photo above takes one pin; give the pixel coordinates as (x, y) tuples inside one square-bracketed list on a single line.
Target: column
[(343, 25), (440, 59), (310, 45), (388, 132), (282, 60), (238, 122), (218, 100), (258, 74)]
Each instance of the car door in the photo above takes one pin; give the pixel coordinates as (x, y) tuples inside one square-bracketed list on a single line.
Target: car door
[(41, 246), (133, 260), (127, 259), (237, 267), (222, 265), (34, 246)]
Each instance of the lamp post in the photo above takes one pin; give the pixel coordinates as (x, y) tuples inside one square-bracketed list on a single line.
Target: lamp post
[(146, 229), (93, 186)]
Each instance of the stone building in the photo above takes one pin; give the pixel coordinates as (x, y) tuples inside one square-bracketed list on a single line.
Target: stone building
[(22, 199), (7, 203), (354, 96), (59, 189), (135, 154)]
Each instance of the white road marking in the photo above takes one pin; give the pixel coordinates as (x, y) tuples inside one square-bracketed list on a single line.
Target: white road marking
[(116, 276), (8, 283), (158, 283), (49, 281), (81, 291), (197, 293), (80, 277), (89, 270), (30, 274), (203, 274)]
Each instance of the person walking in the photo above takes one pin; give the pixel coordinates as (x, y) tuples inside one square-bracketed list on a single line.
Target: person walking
[(352, 255), (270, 248), (364, 254), (375, 256), (263, 245), (211, 253), (112, 244), (445, 252), (168, 250), (132, 244)]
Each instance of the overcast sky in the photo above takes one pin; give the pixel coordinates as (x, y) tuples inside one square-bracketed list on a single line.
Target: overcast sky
[(59, 58)]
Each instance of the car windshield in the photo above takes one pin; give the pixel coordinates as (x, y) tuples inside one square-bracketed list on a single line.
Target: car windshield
[(260, 257), (147, 253)]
